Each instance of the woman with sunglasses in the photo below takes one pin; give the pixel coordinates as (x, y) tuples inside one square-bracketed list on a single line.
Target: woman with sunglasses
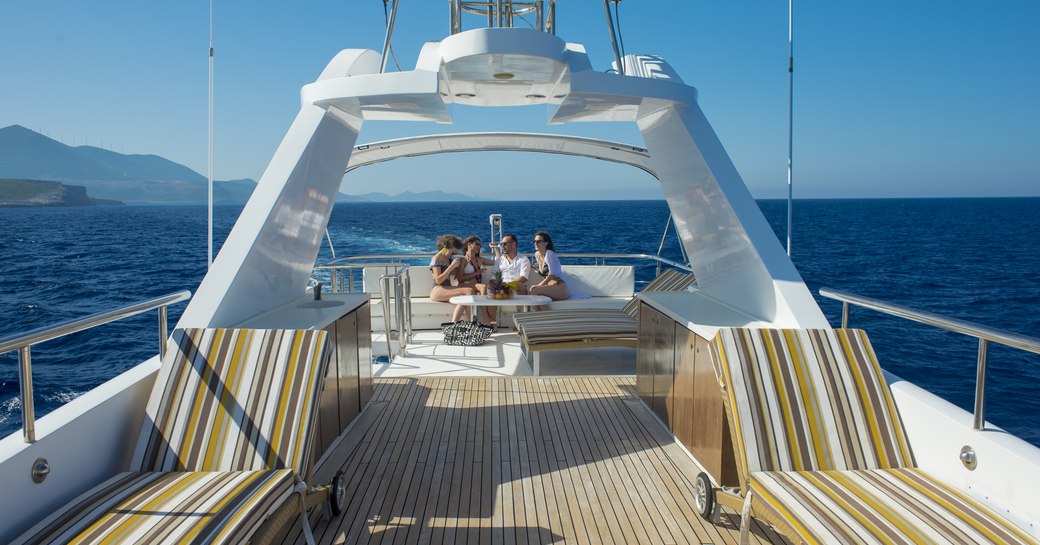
[(553, 285)]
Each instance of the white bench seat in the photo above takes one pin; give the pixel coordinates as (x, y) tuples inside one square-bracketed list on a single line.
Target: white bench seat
[(607, 287)]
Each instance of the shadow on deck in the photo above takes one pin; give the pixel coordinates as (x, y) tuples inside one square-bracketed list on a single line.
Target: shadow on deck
[(515, 460)]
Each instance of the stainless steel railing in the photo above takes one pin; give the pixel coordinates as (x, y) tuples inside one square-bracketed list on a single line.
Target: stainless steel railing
[(401, 285), (984, 334), (342, 269), (24, 341)]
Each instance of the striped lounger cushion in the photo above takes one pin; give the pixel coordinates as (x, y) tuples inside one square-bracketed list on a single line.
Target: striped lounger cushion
[(809, 399), (227, 434), (590, 324), (175, 507), (234, 400), (879, 506), (823, 449), (594, 325)]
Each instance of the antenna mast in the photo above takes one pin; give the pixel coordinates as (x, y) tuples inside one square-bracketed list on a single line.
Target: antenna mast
[(209, 167), (790, 118)]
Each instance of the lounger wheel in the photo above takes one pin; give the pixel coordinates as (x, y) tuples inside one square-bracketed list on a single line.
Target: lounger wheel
[(338, 494), (705, 498)]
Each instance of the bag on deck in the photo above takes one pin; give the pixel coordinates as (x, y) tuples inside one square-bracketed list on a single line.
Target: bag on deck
[(465, 333)]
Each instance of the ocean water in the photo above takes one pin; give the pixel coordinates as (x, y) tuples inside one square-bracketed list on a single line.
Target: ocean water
[(973, 259)]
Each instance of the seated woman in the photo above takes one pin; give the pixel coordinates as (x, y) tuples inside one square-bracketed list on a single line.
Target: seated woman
[(443, 268), (554, 284), (473, 271)]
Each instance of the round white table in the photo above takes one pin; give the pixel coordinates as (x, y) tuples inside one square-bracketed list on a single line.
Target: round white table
[(474, 301)]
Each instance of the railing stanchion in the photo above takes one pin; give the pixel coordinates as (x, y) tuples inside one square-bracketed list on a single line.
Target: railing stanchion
[(980, 387), (402, 337), (28, 406), (844, 314), (384, 286), (408, 305), (162, 332)]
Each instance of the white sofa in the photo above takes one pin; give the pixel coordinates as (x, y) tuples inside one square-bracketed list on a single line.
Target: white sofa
[(607, 286)]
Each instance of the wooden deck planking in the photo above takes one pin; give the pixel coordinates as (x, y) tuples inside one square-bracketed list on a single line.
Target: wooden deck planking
[(515, 461)]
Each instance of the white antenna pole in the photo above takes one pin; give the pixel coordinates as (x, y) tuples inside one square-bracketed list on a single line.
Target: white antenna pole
[(790, 118), (209, 169)]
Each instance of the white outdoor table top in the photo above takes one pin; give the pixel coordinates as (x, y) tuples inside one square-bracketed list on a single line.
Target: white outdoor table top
[(514, 301)]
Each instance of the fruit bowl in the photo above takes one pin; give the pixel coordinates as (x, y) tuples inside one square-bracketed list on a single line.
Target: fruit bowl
[(497, 289)]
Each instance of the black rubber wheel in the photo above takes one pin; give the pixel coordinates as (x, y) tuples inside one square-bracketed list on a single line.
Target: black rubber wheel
[(705, 498), (338, 494)]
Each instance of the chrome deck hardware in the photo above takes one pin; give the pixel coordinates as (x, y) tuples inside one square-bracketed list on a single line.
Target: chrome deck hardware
[(41, 468), (968, 457)]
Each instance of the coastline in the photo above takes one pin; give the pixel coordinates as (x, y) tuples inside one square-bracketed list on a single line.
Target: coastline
[(18, 193)]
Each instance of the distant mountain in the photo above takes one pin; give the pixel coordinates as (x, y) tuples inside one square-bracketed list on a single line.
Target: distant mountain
[(409, 196), (29, 155)]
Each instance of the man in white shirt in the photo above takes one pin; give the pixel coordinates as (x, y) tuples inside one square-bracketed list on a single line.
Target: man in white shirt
[(514, 265)]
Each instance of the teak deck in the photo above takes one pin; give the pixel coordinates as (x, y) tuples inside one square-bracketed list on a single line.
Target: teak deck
[(515, 461)]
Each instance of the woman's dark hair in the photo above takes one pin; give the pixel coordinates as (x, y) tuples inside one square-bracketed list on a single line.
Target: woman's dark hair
[(548, 240), (470, 240), (450, 242)]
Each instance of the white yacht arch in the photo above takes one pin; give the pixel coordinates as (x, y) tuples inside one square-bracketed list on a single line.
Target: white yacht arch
[(557, 144), (733, 251)]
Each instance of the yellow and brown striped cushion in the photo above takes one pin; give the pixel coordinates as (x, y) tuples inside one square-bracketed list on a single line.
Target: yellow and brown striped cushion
[(668, 280), (588, 324), (234, 400), (593, 324), (175, 507), (811, 399), (879, 506)]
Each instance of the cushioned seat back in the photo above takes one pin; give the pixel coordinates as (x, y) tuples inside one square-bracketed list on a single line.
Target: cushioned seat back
[(668, 280), (810, 399), (233, 400)]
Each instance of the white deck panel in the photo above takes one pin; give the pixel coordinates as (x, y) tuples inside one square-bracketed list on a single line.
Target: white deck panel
[(428, 356)]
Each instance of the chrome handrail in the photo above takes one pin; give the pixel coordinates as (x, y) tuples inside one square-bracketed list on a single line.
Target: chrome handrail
[(984, 334), (350, 263), (23, 341), (401, 283)]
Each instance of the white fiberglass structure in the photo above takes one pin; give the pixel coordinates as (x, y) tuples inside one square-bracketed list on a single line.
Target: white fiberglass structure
[(734, 254)]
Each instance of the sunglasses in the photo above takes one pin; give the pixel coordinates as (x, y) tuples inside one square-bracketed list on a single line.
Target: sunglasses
[(538, 241)]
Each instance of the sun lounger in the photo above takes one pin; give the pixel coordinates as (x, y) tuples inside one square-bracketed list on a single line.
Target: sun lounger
[(226, 442), (590, 327), (822, 451)]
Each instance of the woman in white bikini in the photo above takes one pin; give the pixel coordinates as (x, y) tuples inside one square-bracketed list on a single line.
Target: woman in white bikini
[(473, 271)]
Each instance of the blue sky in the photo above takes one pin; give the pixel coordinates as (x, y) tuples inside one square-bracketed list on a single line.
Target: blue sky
[(892, 99)]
